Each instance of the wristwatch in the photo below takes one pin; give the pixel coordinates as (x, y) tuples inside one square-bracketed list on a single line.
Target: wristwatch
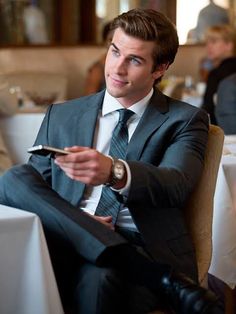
[(118, 172)]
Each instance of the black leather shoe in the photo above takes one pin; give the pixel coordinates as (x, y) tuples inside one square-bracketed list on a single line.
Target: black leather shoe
[(184, 296)]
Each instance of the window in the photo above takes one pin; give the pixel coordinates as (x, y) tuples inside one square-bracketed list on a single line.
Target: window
[(187, 21)]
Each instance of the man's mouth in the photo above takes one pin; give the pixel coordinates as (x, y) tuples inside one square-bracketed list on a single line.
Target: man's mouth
[(117, 81)]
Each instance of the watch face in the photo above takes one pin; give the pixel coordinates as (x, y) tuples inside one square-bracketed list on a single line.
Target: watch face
[(119, 170)]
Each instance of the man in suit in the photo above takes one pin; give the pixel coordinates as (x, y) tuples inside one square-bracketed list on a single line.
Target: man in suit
[(130, 260), (226, 104), (221, 50)]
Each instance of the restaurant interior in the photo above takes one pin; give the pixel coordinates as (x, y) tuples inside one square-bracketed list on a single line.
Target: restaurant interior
[(46, 50)]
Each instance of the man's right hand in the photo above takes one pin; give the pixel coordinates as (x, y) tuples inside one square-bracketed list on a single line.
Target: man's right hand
[(86, 165), (107, 221)]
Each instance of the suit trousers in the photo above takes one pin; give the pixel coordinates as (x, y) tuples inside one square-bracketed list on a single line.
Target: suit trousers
[(24, 188), (76, 244), (87, 289)]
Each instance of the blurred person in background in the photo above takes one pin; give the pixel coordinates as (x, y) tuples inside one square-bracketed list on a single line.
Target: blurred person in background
[(221, 50), (205, 67), (95, 80), (8, 106), (225, 111), (210, 15)]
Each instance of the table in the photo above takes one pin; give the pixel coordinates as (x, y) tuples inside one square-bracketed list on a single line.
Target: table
[(223, 263), (27, 284), (19, 133)]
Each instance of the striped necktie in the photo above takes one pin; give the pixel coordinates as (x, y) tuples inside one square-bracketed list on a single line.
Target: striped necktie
[(111, 201)]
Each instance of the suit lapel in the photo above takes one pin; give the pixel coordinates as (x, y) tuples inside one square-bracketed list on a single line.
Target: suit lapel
[(87, 119), (154, 116)]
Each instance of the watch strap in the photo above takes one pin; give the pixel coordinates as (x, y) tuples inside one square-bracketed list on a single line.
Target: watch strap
[(112, 180)]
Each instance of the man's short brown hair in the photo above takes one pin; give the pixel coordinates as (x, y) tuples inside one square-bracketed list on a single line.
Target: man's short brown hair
[(224, 32), (151, 25)]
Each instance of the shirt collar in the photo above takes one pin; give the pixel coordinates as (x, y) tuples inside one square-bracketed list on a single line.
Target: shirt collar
[(111, 104)]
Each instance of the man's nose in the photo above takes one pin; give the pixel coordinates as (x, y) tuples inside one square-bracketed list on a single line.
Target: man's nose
[(121, 66)]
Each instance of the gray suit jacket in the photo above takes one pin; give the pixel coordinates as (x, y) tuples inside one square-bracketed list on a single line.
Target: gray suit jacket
[(225, 111), (165, 155)]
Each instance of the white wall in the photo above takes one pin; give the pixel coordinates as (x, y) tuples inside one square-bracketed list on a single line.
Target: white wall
[(74, 62)]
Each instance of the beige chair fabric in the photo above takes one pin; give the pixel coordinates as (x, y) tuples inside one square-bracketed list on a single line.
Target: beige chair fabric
[(199, 208), (43, 84), (8, 106), (5, 160), (8, 101)]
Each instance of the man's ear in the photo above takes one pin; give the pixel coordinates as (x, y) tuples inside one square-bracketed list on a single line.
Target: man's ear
[(230, 47), (160, 70)]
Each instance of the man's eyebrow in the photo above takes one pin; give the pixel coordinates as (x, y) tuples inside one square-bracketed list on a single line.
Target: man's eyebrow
[(112, 44), (133, 56)]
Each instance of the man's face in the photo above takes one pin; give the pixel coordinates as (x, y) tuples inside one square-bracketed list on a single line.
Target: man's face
[(218, 49), (129, 68)]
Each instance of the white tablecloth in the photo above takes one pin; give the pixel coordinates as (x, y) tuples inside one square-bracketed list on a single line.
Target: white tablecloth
[(19, 133), (27, 282), (223, 264)]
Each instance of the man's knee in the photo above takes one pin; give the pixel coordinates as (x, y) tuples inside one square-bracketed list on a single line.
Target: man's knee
[(10, 182), (11, 175), (6, 182)]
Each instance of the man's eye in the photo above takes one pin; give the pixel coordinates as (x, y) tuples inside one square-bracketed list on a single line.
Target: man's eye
[(135, 61), (115, 53)]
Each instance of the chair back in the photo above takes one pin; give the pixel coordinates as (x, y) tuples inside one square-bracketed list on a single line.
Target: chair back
[(199, 208)]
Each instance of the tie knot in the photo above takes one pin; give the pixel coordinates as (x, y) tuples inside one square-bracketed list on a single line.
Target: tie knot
[(125, 114)]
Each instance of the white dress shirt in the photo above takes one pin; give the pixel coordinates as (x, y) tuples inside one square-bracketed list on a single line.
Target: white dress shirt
[(107, 120)]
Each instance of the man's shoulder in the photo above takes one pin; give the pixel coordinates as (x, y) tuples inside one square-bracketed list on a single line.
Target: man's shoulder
[(229, 80), (226, 68), (227, 89), (185, 109), (178, 109), (80, 103), (179, 105), (84, 99)]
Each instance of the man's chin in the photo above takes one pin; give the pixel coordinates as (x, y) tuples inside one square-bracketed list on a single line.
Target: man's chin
[(115, 92)]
